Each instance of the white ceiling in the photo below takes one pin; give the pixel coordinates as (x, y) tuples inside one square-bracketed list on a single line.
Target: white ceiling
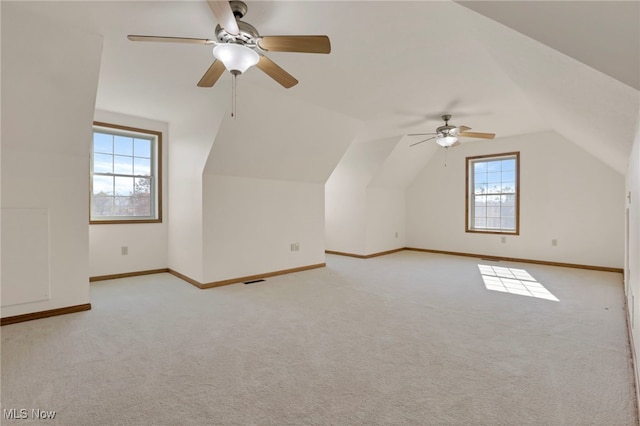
[(395, 66), (602, 34)]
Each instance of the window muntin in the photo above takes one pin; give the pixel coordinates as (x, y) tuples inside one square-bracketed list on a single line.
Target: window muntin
[(493, 193), (125, 175)]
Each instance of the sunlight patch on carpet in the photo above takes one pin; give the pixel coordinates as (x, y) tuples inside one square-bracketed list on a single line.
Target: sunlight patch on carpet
[(514, 281)]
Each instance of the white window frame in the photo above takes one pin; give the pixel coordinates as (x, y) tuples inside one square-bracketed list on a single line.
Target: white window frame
[(155, 174), (471, 196)]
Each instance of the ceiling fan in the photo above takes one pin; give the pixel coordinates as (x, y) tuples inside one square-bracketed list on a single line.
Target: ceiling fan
[(238, 45), (447, 136)]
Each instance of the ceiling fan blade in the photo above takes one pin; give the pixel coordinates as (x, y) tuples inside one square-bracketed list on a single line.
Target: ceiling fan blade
[(212, 75), (420, 134), (224, 15), (455, 144), (170, 39), (463, 128), (301, 44), (275, 72), (477, 135), (422, 141)]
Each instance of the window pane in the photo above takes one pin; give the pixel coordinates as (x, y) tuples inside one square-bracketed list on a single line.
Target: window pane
[(142, 207), (493, 211), (480, 178), (142, 186), (102, 142), (102, 206), (142, 148), (480, 200), (103, 185), (141, 166), (102, 163), (123, 145), (507, 211), (493, 200), (508, 223), (123, 206), (494, 166), (479, 167), (142, 204), (509, 164), (480, 212), (508, 187), (494, 188), (123, 185), (142, 197), (480, 223), (480, 188), (509, 176), (494, 177), (493, 223), (123, 165), (508, 200)]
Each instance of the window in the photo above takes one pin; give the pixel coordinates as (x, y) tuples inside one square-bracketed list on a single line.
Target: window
[(125, 182), (493, 193)]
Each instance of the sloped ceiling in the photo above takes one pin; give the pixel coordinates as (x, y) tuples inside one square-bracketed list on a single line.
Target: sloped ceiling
[(362, 162), (602, 34), (395, 67), (277, 137)]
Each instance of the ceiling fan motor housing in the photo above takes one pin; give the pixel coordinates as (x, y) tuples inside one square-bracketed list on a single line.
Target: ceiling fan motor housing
[(447, 130), (447, 136), (248, 34)]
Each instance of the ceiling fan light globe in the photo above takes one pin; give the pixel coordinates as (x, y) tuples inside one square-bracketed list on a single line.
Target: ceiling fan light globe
[(236, 57), (446, 141)]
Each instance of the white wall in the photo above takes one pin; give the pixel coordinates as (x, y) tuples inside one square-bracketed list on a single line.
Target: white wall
[(191, 144), (566, 194), (362, 219), (632, 264), (49, 81), (185, 210), (146, 242), (263, 184), (250, 224), (345, 213), (385, 219)]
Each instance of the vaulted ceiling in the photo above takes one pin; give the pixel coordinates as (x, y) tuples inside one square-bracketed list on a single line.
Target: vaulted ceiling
[(395, 67)]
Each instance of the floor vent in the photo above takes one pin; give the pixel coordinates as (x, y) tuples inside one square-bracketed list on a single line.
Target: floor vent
[(253, 282)]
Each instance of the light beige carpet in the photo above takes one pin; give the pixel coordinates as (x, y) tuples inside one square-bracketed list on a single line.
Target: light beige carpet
[(405, 339)]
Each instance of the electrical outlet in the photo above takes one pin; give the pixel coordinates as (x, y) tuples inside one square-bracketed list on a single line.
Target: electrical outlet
[(124, 250), (396, 234), (503, 239), (297, 245), (554, 242)]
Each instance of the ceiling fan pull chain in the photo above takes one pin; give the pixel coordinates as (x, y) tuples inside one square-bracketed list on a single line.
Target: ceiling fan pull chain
[(233, 97), (446, 152)]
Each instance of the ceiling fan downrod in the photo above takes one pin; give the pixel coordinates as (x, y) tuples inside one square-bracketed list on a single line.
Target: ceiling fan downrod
[(238, 8)]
